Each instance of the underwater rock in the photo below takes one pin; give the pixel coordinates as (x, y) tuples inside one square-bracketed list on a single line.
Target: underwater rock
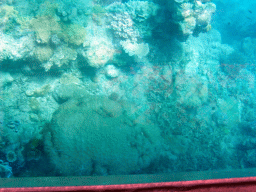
[(191, 91), (92, 136)]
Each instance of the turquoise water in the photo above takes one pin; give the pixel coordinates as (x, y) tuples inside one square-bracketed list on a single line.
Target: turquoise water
[(97, 88)]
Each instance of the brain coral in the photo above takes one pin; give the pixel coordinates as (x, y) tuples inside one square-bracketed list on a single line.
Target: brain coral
[(98, 136)]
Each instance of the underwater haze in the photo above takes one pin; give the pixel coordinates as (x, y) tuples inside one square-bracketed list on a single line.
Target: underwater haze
[(119, 87)]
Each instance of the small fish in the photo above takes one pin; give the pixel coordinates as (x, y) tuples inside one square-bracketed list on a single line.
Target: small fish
[(250, 11)]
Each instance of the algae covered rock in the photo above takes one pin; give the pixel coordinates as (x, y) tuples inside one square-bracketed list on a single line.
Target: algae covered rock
[(91, 136), (191, 91)]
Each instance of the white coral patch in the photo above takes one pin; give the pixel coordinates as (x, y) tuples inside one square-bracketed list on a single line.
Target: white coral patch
[(133, 48), (100, 52), (111, 71)]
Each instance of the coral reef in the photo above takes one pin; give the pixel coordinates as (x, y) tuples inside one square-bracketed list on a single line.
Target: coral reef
[(58, 38), (128, 22), (192, 17), (122, 25), (131, 86), (44, 27), (72, 34)]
